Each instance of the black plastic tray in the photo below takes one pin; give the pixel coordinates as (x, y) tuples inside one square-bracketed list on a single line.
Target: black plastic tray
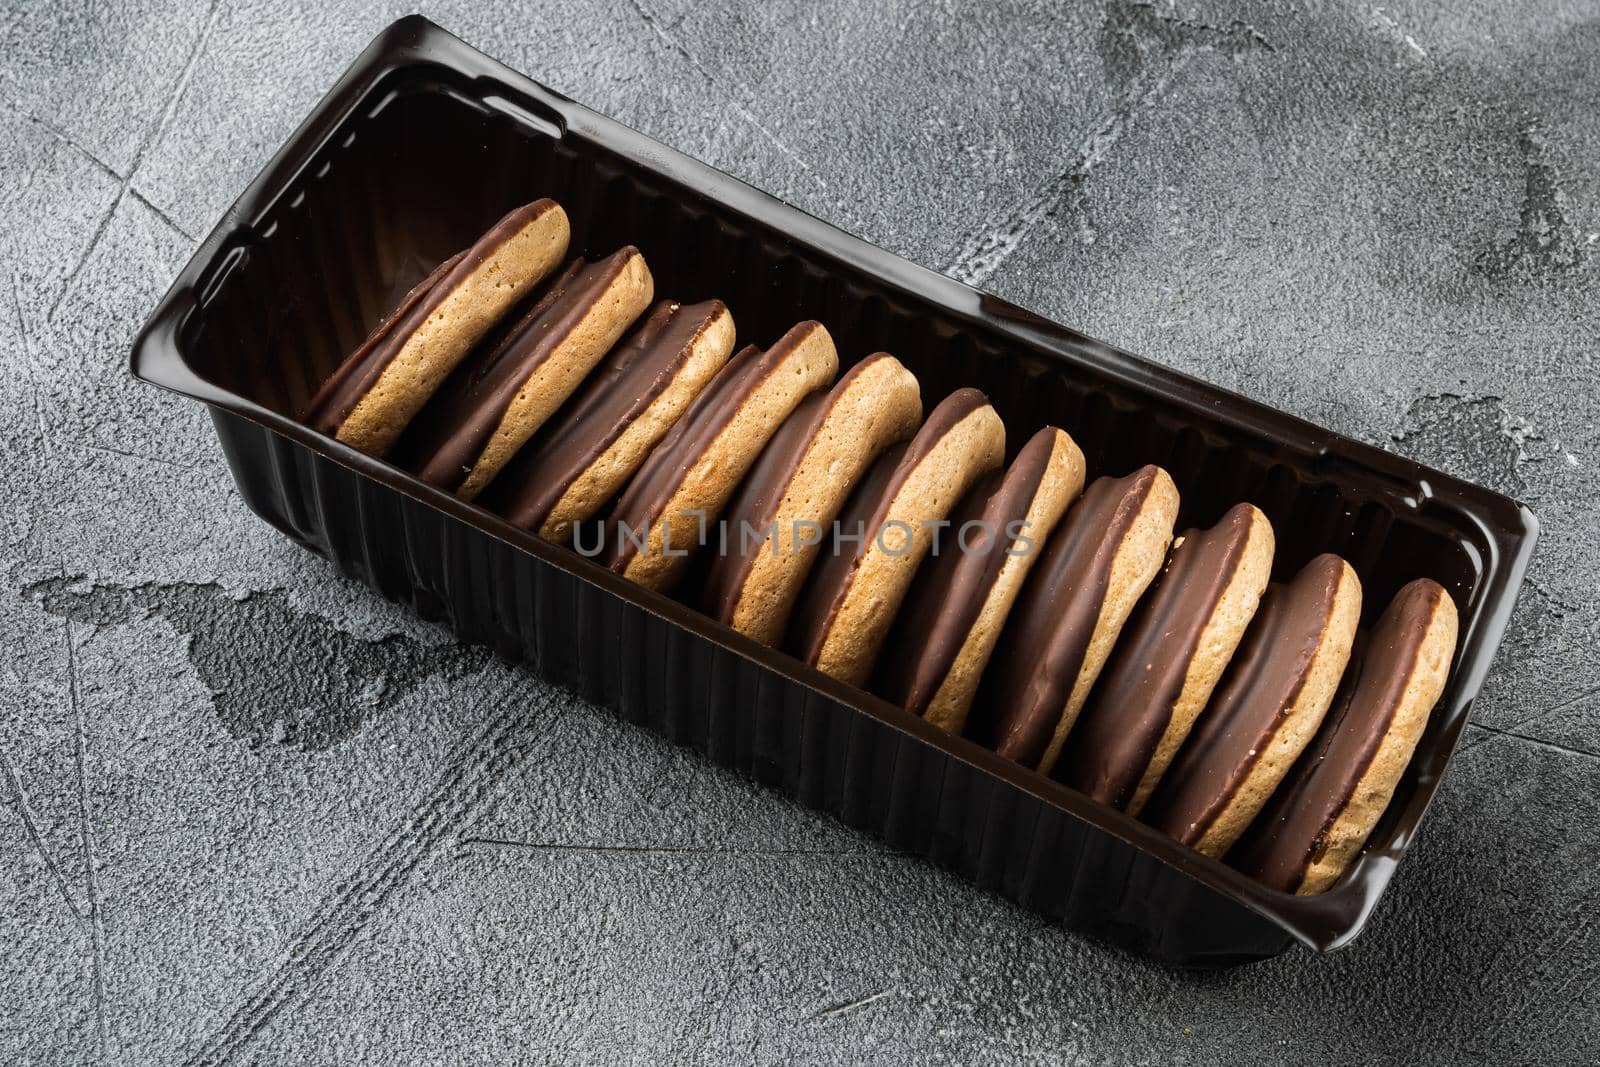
[(425, 142)]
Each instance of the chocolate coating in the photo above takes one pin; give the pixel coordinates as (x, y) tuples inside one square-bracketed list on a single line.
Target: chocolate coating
[(1280, 845), (1037, 660), (1262, 683), (762, 491), (950, 589), (1131, 708), (360, 370), (363, 367), (621, 389), (658, 479), (454, 427), (865, 512)]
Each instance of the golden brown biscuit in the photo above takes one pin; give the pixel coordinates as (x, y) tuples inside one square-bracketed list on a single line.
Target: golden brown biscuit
[(503, 392), (885, 530), (585, 454), (1169, 661), (774, 526), (380, 387), (1271, 701), (1317, 822), (1096, 566), (959, 601), (681, 488)]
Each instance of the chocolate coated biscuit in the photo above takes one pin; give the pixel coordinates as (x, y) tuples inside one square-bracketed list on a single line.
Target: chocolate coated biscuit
[(959, 601), (682, 486), (1270, 702), (1170, 660), (583, 456), (503, 393), (1096, 566), (1318, 820), (855, 591), (774, 525), (380, 386)]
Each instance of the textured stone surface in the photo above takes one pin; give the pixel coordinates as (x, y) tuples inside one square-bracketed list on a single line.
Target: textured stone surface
[(247, 809)]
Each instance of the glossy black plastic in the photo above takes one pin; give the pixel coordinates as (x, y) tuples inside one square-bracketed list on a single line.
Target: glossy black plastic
[(425, 142)]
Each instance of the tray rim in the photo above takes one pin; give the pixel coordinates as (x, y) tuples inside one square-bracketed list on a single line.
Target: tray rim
[(1509, 529)]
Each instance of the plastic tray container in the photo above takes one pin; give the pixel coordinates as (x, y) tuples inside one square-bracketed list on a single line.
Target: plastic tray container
[(425, 142)]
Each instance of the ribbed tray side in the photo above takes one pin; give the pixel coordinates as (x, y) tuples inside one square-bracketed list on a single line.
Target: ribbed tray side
[(915, 798)]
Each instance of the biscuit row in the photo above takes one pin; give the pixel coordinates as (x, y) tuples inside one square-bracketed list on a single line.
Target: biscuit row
[(1063, 626)]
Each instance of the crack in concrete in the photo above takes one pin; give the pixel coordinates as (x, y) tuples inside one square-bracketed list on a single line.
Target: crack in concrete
[(20, 801), (275, 674), (163, 460), (124, 179), (88, 250), (468, 843), (1181, 29), (1382, 21), (61, 135), (1561, 606), (1537, 742), (1570, 702), (1545, 243), (27, 356), (86, 832), (163, 216), (1516, 728), (852, 1005), (358, 899), (150, 139), (1142, 49), (674, 42)]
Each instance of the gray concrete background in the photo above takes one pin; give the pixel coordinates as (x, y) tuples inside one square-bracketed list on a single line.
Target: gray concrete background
[(250, 812)]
